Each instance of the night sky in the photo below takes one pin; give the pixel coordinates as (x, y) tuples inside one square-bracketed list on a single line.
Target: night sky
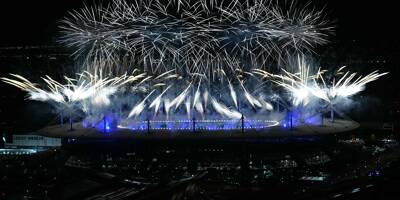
[(32, 22)]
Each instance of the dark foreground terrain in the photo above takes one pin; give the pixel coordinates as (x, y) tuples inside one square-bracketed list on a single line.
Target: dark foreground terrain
[(348, 166)]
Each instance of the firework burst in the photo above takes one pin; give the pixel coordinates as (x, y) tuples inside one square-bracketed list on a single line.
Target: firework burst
[(303, 85), (75, 91), (192, 36)]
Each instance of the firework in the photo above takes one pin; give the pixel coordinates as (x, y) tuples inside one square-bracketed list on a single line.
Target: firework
[(75, 91), (298, 84), (192, 36), (303, 85), (210, 45), (348, 85)]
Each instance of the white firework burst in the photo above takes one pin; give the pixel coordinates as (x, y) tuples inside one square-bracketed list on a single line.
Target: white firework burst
[(193, 36), (303, 85)]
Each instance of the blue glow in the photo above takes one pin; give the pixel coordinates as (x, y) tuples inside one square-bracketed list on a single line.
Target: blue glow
[(210, 125), (112, 122), (107, 124)]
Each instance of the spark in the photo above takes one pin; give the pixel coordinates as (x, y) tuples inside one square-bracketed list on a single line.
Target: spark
[(223, 110), (135, 112)]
